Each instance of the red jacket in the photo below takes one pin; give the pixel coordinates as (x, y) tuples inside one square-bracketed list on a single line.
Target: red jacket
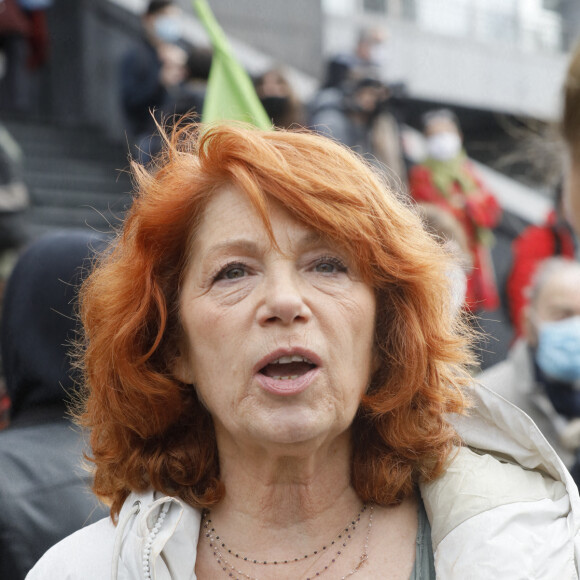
[(534, 244), (477, 211)]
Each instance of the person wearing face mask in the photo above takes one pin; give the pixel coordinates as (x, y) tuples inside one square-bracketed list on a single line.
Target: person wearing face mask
[(447, 179), (537, 242), (370, 53), (151, 74), (279, 98), (358, 115), (541, 374)]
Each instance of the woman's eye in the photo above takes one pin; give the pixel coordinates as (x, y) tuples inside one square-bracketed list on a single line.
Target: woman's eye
[(232, 272), (330, 266)]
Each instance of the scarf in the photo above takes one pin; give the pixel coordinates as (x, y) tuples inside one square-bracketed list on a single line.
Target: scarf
[(446, 173)]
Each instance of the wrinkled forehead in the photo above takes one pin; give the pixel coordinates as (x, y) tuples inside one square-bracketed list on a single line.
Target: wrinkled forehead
[(231, 214)]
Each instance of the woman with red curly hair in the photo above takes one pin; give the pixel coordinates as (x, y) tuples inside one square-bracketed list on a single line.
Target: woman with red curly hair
[(276, 386)]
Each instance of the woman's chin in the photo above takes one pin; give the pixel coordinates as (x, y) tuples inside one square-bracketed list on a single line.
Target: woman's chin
[(293, 428)]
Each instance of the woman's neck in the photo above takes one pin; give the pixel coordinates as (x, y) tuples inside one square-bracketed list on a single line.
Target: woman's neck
[(299, 510), (306, 494)]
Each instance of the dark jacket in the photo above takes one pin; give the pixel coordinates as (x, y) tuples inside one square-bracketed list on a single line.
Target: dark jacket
[(141, 88), (44, 490)]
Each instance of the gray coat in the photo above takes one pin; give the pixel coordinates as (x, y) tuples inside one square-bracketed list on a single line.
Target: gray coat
[(514, 380)]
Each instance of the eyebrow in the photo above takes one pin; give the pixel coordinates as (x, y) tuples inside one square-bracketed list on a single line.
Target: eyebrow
[(313, 237), (310, 238), (240, 244)]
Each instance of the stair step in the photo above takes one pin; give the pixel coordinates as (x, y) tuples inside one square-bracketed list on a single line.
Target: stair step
[(89, 168), (58, 217), (77, 177), (80, 183), (25, 130), (73, 150), (73, 198), (47, 140), (34, 230)]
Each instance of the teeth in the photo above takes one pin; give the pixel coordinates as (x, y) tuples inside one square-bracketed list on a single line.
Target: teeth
[(285, 378), (290, 359)]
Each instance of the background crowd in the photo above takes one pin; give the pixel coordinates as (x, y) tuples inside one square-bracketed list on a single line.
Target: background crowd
[(357, 105)]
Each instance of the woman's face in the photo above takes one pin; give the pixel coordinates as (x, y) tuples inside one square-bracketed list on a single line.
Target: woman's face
[(279, 342)]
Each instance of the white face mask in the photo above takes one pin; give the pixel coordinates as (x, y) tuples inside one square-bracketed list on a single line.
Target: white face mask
[(444, 146), (558, 351), (168, 28), (379, 53)]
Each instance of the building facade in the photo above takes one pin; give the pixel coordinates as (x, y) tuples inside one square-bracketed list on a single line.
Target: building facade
[(507, 56)]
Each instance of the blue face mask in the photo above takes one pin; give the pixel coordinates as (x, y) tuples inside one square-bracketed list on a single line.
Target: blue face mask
[(168, 28), (558, 352)]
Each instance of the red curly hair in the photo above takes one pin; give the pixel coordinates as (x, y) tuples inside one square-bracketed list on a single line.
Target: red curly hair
[(148, 429)]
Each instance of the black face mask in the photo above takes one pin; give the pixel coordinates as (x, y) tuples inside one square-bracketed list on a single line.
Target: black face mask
[(276, 107), (353, 106), (563, 396)]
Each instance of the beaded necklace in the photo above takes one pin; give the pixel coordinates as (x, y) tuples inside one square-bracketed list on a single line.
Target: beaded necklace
[(230, 570)]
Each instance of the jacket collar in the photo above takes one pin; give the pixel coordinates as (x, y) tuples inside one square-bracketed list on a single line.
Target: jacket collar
[(143, 533)]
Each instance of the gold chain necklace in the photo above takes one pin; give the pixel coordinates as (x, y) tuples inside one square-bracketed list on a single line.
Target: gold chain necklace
[(230, 570)]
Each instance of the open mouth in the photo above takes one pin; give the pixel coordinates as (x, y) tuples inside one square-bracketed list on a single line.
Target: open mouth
[(288, 367)]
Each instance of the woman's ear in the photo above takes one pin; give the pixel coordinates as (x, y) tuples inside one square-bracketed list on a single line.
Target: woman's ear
[(182, 369)]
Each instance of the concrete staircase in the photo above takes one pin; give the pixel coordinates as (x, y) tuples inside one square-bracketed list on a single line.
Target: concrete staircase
[(77, 177)]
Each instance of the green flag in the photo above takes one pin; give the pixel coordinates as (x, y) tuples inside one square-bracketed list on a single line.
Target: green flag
[(230, 92)]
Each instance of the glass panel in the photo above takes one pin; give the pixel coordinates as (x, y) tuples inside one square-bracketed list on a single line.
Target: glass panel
[(374, 6), (453, 19), (339, 7), (409, 9)]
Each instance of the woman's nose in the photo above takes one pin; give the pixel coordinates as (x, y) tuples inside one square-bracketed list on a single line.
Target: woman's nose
[(283, 300)]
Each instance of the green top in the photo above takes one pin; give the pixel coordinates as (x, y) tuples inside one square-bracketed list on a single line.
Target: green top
[(446, 173), (424, 568)]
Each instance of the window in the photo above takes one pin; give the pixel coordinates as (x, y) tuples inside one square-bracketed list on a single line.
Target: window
[(339, 7), (374, 6)]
